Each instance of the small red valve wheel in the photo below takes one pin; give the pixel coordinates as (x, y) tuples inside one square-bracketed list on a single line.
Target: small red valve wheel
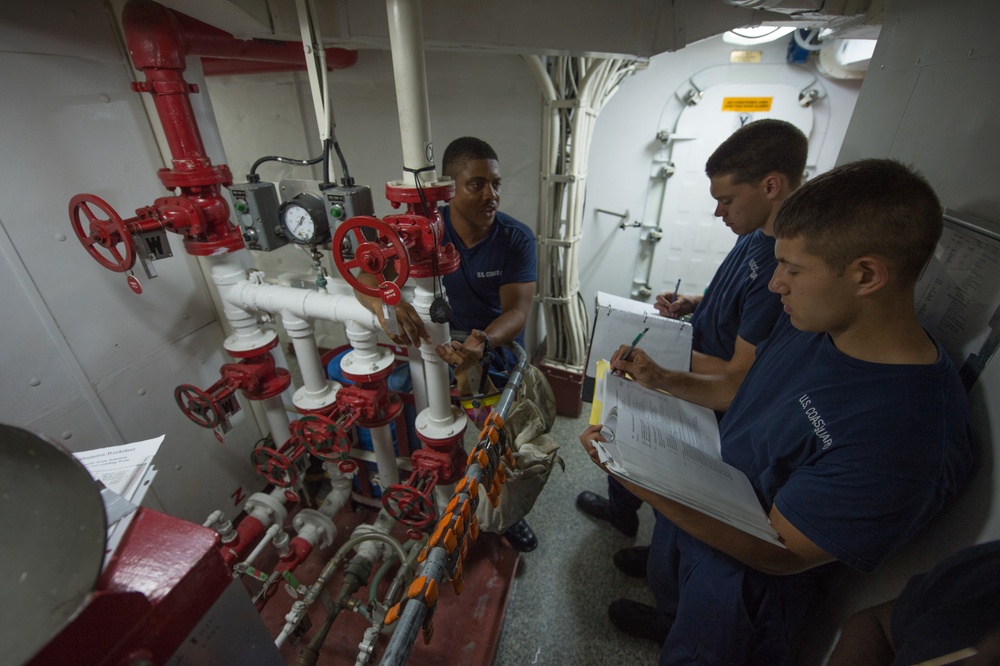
[(372, 257), (321, 437), (107, 233), (198, 406), (274, 466), (409, 506)]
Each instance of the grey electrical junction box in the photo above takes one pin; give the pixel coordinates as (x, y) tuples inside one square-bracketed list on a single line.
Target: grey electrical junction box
[(256, 206), (343, 203)]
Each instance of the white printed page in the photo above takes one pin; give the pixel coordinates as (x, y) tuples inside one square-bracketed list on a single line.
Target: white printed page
[(672, 447), (619, 320)]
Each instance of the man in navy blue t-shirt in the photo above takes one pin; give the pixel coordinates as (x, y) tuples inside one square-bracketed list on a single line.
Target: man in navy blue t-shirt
[(852, 425), (751, 173), (492, 291)]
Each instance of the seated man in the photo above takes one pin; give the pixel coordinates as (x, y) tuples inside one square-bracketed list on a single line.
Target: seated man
[(492, 290), (750, 174), (948, 615), (852, 425)]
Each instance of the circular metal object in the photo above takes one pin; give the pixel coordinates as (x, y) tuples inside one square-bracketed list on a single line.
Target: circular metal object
[(107, 233), (198, 406), (375, 257), (304, 219), (52, 540)]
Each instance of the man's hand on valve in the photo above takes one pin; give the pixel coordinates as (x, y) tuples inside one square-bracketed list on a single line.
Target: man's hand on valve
[(408, 329)]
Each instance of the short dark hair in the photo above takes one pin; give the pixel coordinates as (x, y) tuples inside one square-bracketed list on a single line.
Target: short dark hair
[(871, 207), (759, 148), (463, 149)]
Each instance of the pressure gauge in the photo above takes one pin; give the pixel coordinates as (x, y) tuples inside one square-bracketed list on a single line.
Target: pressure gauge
[(304, 220)]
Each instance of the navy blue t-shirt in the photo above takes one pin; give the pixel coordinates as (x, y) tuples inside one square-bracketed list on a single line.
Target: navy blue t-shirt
[(507, 255), (856, 455), (737, 301)]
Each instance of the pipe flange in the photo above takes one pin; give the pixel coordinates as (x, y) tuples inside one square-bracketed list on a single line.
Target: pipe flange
[(266, 509), (251, 345), (313, 520), (313, 403), (448, 430), (370, 367)]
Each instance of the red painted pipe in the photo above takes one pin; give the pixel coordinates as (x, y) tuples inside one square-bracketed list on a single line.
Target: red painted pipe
[(223, 66), (299, 550), (158, 41), (248, 533), (160, 37)]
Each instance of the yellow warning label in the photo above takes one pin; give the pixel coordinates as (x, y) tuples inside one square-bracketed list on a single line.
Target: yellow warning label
[(747, 103), (746, 56)]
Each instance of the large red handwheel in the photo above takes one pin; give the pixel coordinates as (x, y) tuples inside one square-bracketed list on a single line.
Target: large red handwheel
[(321, 437), (275, 467), (107, 233), (198, 406), (372, 257), (409, 506)]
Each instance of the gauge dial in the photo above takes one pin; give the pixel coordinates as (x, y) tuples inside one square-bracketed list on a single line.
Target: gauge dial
[(304, 219)]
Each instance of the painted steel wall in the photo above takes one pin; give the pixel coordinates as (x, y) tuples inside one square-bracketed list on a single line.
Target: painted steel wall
[(85, 361), (930, 100), (621, 160)]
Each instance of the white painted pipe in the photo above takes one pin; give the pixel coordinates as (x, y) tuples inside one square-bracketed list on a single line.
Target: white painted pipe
[(213, 518), (227, 270), (277, 420), (340, 490), (301, 332), (406, 41), (385, 456), (305, 303), (436, 377)]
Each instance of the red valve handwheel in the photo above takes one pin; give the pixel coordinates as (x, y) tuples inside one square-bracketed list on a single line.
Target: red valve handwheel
[(275, 467), (372, 257), (409, 506), (198, 406), (105, 233), (321, 437)]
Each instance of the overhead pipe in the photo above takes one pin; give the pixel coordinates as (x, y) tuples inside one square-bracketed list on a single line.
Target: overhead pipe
[(224, 66), (159, 41)]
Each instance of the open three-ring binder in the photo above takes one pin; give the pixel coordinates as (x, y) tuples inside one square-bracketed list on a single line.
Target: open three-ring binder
[(617, 320)]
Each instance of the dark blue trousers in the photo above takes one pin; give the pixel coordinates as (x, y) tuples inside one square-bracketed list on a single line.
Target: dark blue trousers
[(722, 611)]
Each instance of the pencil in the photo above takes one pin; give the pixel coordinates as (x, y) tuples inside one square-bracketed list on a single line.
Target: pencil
[(677, 290), (628, 353)]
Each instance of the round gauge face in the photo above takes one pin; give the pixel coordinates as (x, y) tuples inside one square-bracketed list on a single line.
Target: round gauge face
[(299, 223)]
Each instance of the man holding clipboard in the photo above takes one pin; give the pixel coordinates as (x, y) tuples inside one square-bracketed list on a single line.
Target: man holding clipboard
[(852, 426), (751, 173)]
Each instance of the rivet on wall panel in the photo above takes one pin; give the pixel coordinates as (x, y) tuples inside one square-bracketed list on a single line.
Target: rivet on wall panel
[(142, 391), (34, 381), (60, 237), (67, 434)]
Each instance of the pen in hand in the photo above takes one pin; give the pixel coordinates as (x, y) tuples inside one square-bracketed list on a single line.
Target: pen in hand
[(628, 353)]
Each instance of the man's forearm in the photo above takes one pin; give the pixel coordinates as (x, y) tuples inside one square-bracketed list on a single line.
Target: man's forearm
[(505, 328), (713, 391)]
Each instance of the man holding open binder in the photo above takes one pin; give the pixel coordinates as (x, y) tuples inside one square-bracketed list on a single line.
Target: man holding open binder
[(852, 425), (751, 173)]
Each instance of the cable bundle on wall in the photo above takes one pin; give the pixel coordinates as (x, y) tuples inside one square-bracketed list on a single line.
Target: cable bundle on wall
[(574, 89)]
